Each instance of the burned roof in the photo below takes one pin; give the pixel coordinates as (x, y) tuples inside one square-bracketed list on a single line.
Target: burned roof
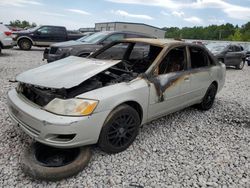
[(157, 42)]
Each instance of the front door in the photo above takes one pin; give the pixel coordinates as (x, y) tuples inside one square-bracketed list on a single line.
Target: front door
[(170, 83)]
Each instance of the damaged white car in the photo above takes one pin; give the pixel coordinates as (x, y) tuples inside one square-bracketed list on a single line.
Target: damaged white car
[(105, 98)]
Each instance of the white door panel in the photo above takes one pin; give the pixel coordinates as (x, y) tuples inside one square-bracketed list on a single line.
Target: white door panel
[(200, 81)]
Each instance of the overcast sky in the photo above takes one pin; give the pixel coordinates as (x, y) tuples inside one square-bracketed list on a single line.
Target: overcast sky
[(84, 13)]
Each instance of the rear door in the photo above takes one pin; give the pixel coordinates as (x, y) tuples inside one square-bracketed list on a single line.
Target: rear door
[(238, 55), (58, 34), (200, 69), (230, 56)]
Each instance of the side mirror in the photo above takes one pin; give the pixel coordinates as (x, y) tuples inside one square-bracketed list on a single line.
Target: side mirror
[(38, 32), (229, 50)]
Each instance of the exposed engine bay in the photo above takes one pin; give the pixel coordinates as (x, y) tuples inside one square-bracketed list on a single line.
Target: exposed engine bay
[(42, 96)]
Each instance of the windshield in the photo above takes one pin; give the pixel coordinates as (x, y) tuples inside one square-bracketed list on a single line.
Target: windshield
[(33, 28), (93, 38), (216, 47), (135, 56)]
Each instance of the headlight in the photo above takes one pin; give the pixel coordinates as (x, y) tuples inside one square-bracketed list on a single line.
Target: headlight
[(71, 107), (65, 51)]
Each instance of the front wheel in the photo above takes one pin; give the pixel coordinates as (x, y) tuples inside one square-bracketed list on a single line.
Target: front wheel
[(120, 129), (241, 65), (25, 44), (208, 99)]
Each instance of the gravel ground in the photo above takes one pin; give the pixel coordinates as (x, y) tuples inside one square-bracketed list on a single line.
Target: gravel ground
[(185, 149)]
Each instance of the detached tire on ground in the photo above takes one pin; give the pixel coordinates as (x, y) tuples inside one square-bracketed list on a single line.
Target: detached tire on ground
[(120, 129), (51, 164), (24, 44)]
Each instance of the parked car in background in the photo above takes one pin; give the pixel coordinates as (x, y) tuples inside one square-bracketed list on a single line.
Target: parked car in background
[(86, 45), (229, 54), (105, 97), (43, 36), (5, 38), (247, 49)]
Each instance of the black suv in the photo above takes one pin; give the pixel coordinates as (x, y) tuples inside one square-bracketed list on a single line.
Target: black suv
[(86, 45), (229, 54)]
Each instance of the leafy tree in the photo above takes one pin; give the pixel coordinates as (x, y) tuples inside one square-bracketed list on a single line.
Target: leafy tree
[(22, 24), (237, 36), (213, 32)]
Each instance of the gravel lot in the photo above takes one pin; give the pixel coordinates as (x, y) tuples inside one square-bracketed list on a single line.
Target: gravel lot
[(185, 149)]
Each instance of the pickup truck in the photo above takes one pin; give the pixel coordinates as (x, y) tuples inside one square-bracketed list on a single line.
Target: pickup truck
[(42, 36)]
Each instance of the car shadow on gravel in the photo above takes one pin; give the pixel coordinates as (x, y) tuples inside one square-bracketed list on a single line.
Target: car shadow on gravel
[(5, 55), (32, 49)]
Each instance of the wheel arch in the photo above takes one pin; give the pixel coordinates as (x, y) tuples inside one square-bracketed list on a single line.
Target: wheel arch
[(137, 107), (133, 104), (25, 37), (83, 53)]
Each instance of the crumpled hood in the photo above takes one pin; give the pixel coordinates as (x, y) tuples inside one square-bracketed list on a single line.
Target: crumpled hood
[(65, 73), (65, 44)]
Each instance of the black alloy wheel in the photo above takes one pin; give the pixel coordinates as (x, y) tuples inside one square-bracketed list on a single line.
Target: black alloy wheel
[(208, 99), (119, 130)]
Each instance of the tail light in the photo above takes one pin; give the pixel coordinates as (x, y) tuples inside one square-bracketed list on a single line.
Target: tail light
[(8, 33)]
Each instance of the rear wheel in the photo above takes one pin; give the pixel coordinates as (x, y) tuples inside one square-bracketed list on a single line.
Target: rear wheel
[(241, 65), (208, 99), (120, 129), (52, 164), (24, 44)]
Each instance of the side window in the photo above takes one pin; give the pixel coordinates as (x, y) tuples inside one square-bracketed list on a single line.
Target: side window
[(231, 49), (58, 31), (199, 57), (238, 48), (174, 61), (134, 36), (44, 30), (115, 52), (114, 37)]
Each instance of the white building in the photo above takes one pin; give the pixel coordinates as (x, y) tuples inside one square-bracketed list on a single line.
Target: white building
[(127, 26)]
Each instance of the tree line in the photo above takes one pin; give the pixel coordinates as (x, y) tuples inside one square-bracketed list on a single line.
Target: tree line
[(213, 32), (22, 24)]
